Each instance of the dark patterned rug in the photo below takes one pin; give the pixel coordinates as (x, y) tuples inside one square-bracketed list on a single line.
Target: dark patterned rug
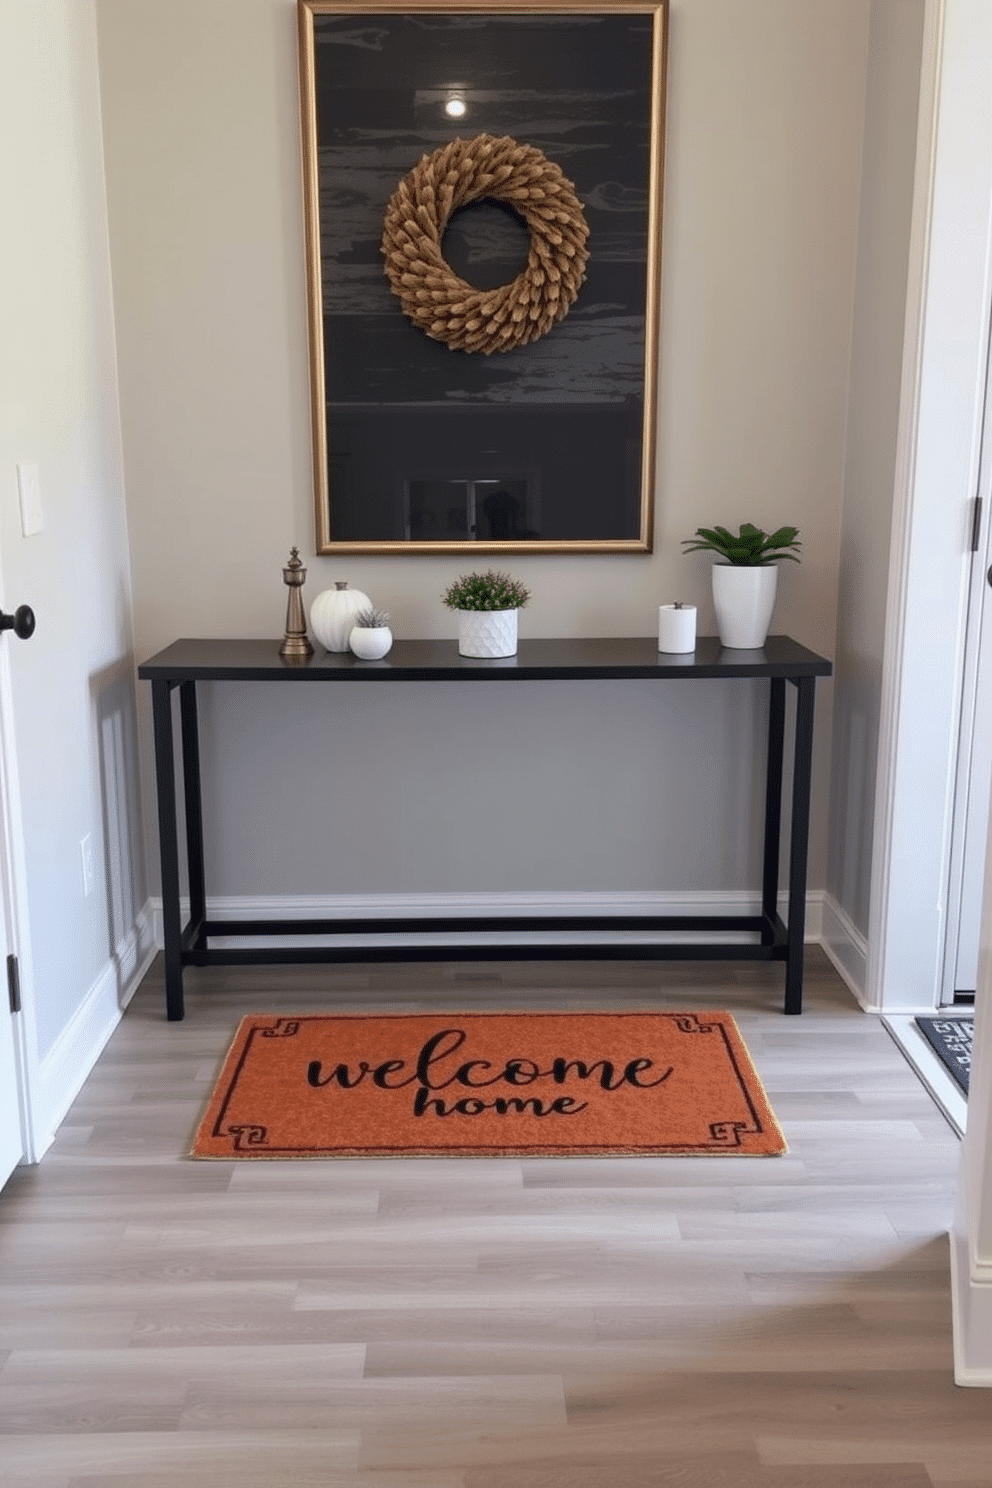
[(951, 1039)]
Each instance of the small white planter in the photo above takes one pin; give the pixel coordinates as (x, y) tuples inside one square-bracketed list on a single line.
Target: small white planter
[(744, 599), (370, 642), (487, 633)]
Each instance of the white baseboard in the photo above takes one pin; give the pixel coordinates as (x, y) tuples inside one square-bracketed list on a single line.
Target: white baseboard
[(61, 1074), (396, 906), (846, 947)]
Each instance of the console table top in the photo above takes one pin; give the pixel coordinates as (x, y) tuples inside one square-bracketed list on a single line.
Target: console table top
[(194, 660)]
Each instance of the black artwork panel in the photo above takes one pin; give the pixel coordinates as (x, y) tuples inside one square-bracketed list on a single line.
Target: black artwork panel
[(559, 422)]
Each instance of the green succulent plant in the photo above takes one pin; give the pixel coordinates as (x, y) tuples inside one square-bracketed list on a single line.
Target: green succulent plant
[(371, 619), (751, 548), (486, 591)]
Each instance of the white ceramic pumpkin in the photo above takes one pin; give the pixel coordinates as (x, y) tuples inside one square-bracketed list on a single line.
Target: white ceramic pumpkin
[(333, 613)]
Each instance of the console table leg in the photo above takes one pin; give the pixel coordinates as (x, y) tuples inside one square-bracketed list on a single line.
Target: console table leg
[(165, 780), (773, 807), (799, 843), (194, 809)]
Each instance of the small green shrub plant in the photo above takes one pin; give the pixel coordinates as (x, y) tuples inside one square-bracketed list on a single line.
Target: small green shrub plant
[(486, 591)]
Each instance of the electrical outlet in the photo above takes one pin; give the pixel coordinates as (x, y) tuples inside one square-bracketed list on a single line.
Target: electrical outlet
[(86, 861)]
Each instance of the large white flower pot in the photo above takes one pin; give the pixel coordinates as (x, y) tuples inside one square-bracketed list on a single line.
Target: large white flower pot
[(487, 633), (744, 599)]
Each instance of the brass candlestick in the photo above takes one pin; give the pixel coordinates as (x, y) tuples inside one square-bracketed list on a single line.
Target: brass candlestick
[(295, 646)]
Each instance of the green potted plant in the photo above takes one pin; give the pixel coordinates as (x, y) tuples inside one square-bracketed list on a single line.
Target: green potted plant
[(745, 578), (487, 606)]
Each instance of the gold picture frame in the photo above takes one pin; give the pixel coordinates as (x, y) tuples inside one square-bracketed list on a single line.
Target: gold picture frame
[(425, 439)]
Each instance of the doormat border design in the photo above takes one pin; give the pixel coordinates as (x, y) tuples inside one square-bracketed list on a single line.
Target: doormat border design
[(226, 1132), (951, 1040)]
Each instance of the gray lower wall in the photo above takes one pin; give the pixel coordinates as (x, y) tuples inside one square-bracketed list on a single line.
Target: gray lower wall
[(521, 786)]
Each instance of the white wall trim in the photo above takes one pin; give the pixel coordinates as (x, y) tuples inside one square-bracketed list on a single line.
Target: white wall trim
[(846, 948), (882, 889), (373, 906), (943, 402), (14, 905), (971, 1302), (64, 1069)]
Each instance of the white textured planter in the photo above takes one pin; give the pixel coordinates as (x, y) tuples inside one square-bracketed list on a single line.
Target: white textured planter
[(371, 642), (487, 633), (744, 599)]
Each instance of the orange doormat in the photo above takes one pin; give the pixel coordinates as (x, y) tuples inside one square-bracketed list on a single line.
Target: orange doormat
[(488, 1085)]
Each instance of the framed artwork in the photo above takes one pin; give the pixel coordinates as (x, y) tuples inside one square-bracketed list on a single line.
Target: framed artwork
[(483, 195)]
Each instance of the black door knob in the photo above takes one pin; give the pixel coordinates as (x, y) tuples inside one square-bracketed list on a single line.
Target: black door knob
[(21, 622)]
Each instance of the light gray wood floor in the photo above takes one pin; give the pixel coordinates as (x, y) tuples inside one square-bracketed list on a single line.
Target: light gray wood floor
[(726, 1322)]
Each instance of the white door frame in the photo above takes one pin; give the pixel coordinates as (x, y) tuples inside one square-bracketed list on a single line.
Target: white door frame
[(949, 310), (973, 780), (13, 904)]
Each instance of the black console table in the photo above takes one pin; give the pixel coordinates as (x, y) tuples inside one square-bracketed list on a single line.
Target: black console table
[(187, 662)]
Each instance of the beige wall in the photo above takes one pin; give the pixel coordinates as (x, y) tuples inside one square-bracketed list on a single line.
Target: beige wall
[(895, 41), (73, 694), (765, 121)]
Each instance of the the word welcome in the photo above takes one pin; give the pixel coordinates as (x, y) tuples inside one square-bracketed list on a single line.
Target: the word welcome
[(434, 1071)]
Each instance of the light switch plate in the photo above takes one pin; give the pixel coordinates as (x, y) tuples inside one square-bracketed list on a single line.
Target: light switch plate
[(29, 490)]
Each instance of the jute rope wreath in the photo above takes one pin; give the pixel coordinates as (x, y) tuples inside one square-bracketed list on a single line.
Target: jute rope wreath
[(432, 294)]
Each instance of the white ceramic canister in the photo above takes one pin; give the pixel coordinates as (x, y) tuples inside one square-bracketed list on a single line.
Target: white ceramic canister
[(676, 628), (332, 615)]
